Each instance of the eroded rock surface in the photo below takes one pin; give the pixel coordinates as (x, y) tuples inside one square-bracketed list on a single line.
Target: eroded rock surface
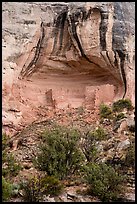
[(61, 55)]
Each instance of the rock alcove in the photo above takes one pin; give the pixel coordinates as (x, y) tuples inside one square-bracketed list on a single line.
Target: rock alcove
[(65, 55)]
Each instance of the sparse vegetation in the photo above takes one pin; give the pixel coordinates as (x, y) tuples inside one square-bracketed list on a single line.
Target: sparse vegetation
[(125, 163), (6, 190), (5, 140), (32, 190), (37, 186), (10, 169), (98, 134), (105, 111), (130, 156), (122, 104), (52, 186), (90, 139), (119, 116), (71, 157), (10, 166)]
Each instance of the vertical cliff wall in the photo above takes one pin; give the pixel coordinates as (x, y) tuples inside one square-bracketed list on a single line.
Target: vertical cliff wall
[(61, 55)]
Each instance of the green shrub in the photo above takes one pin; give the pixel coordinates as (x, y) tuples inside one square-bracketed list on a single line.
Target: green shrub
[(52, 186), (98, 134), (104, 181), (5, 139), (59, 152), (130, 156), (11, 167), (121, 104), (90, 152), (6, 190), (89, 143), (32, 190), (119, 116), (36, 187), (126, 161), (105, 111)]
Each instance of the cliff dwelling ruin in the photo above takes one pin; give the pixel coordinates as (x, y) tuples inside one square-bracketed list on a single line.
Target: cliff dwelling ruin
[(62, 56)]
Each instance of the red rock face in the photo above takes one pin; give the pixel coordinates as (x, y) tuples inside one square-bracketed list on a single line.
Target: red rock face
[(66, 91), (29, 97), (75, 56)]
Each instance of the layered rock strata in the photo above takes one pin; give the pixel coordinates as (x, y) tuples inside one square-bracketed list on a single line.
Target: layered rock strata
[(62, 55)]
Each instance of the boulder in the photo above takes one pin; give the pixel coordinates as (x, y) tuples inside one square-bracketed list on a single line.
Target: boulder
[(123, 144)]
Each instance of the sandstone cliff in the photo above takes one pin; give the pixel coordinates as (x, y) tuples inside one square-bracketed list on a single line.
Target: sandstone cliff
[(61, 55)]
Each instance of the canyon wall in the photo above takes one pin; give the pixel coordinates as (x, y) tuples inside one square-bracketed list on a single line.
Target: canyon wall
[(61, 55)]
